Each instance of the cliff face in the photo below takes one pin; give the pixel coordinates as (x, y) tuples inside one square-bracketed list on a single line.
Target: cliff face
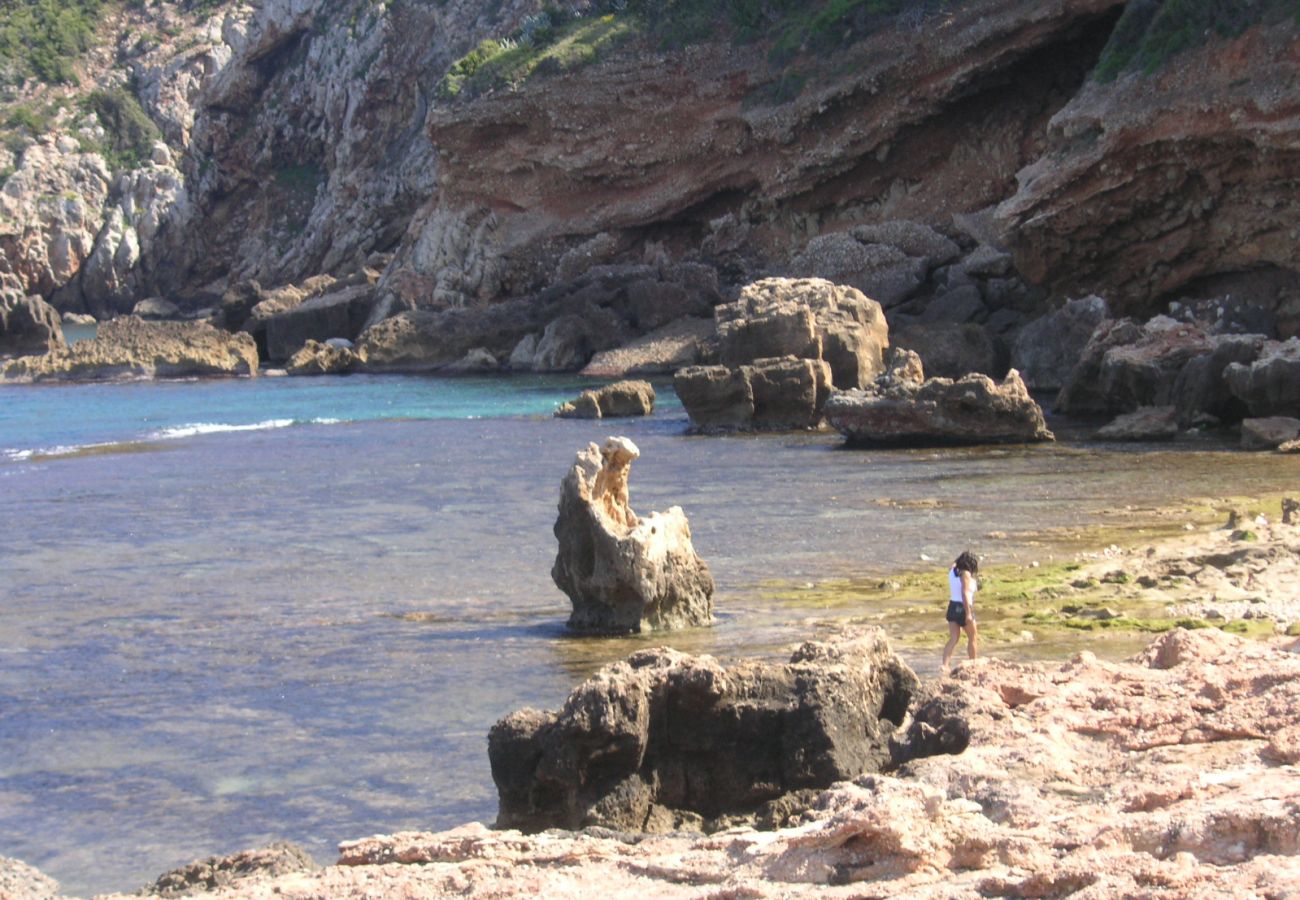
[(304, 136)]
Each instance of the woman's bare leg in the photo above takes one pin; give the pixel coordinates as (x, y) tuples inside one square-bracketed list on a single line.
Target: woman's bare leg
[(954, 635), (971, 642)]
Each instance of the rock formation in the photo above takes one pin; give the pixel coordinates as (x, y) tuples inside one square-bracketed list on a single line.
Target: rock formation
[(333, 357), (1270, 383), (28, 326), (782, 345), (1146, 423), (666, 741), (902, 409), (133, 348), (1047, 349), (621, 399), (622, 572), (1268, 433)]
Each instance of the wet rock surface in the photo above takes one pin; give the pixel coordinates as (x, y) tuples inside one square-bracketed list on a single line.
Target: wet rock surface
[(665, 741), (622, 572)]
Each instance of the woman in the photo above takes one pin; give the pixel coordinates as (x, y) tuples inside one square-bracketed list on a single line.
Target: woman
[(961, 607)]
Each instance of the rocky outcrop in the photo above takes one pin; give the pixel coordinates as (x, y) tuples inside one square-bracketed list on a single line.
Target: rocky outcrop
[(1047, 349), (337, 314), (665, 741), (618, 400), (231, 872), (1269, 384), (770, 395), (678, 344), (1153, 186), (1147, 423), (333, 357), (622, 572), (133, 348), (781, 346), (19, 880), (902, 409), (28, 326), (949, 350), (1268, 433)]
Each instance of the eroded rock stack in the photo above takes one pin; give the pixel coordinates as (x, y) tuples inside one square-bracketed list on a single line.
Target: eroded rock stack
[(28, 326), (664, 741), (782, 347), (625, 573)]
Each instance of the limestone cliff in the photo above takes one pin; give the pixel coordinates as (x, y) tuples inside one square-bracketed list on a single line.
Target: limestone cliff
[(299, 137)]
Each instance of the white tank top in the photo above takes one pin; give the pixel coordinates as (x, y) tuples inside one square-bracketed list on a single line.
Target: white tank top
[(954, 585)]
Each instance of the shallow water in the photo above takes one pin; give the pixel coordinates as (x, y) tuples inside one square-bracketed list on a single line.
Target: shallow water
[(211, 637)]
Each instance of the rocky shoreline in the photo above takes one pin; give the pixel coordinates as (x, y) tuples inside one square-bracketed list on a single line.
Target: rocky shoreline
[(1171, 773)]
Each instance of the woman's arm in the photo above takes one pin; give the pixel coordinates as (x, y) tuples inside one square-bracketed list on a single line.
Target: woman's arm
[(968, 593)]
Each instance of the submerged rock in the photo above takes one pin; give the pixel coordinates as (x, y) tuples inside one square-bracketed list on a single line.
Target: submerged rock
[(623, 572), (664, 740), (133, 348), (621, 399), (901, 409)]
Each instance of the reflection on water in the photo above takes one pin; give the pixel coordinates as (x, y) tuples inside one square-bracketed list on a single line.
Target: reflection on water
[(305, 633)]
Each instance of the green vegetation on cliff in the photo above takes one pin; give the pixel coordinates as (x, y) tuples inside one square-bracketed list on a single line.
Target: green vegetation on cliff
[(42, 39), (1150, 32), (130, 132)]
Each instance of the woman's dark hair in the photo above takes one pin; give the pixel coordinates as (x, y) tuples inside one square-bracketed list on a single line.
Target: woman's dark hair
[(967, 562)]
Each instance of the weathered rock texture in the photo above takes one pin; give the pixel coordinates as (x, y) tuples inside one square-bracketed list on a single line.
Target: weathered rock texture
[(623, 572), (1047, 349), (621, 399), (28, 326), (782, 346), (133, 348), (1172, 775), (901, 408), (665, 740), (217, 872), (316, 358)]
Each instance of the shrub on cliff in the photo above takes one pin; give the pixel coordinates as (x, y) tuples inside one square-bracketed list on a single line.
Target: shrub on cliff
[(42, 38), (130, 132), (1151, 31)]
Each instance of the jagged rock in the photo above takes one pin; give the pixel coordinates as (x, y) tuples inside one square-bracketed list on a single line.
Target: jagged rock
[(227, 872), (949, 350), (621, 399), (678, 344), (1048, 347), (808, 318), (1268, 433), (1202, 388), (899, 409), (133, 348), (337, 314), (317, 358), (476, 362), (1148, 423), (622, 572), (1269, 385), (770, 395), (664, 739), (28, 326), (22, 882)]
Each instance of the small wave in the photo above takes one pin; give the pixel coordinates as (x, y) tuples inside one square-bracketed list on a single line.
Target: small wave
[(196, 428), (65, 451)]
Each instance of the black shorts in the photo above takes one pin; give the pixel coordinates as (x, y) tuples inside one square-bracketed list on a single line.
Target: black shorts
[(957, 613)]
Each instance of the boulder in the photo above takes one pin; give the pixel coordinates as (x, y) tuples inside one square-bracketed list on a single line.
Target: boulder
[(133, 348), (479, 361), (676, 345), (949, 350), (1149, 423), (1270, 385), (29, 326), (1268, 433), (156, 308), (421, 340), (664, 741), (337, 314), (900, 410), (621, 399), (808, 318), (316, 358), (1048, 347), (624, 573), (963, 303), (1201, 388), (770, 395), (882, 271)]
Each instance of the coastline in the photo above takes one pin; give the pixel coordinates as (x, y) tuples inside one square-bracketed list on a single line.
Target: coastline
[(1077, 773)]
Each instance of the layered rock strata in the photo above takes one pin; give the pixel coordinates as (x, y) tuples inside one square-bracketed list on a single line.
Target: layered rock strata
[(133, 348), (622, 572), (901, 408), (666, 741)]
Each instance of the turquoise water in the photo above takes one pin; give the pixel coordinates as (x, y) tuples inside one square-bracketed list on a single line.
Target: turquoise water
[(239, 611)]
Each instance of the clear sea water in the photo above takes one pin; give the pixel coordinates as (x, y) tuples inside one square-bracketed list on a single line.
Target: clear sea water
[(239, 611)]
